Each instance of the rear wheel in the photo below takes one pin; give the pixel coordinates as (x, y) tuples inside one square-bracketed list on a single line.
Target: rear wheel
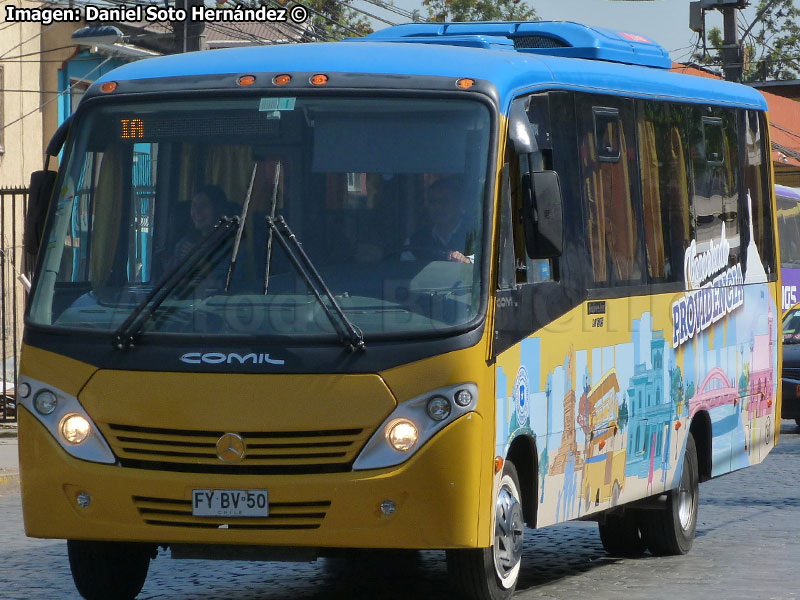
[(492, 573), (670, 530), (105, 570), (621, 535)]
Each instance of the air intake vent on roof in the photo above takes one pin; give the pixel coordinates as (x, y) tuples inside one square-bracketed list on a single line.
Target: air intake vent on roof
[(538, 41)]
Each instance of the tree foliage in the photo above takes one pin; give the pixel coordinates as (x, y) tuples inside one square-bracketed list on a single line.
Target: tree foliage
[(771, 49), (774, 44), (334, 20), (479, 10)]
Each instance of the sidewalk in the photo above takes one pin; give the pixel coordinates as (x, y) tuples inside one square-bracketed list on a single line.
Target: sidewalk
[(8, 430), (9, 461)]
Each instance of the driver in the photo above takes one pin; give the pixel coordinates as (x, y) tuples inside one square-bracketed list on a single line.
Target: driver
[(446, 235)]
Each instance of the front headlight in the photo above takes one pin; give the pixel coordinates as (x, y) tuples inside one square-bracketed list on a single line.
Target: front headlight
[(45, 402), (402, 434), (74, 429), (415, 422), (67, 421)]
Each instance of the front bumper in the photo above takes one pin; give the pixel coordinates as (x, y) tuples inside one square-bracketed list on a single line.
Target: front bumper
[(790, 402), (437, 494)]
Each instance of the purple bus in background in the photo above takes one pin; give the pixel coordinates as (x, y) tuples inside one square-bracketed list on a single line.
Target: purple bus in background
[(788, 201)]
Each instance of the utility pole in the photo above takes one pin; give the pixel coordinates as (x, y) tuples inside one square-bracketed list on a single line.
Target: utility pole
[(732, 53), (188, 34)]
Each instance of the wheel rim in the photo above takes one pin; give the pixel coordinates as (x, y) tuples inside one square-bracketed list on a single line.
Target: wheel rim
[(686, 499), (508, 534)]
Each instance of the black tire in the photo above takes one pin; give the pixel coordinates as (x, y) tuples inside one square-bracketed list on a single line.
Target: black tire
[(492, 573), (670, 530), (109, 570), (621, 535), (797, 421)]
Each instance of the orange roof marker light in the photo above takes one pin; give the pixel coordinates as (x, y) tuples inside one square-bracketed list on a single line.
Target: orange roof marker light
[(246, 80), (108, 86), (319, 79), (281, 79), (465, 83)]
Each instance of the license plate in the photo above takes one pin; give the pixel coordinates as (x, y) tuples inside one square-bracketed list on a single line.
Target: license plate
[(230, 503)]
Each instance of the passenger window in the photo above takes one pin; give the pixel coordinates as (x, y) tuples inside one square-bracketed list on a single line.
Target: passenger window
[(526, 269), (608, 181), (606, 131), (757, 184), (715, 179), (713, 144), (664, 169)]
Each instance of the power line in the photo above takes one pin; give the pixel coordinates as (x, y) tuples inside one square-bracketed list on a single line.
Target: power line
[(30, 91), (41, 106), (785, 130), (33, 37), (36, 53), (369, 14), (395, 9)]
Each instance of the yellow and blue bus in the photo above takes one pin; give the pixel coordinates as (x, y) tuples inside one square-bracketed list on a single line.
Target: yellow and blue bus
[(418, 290)]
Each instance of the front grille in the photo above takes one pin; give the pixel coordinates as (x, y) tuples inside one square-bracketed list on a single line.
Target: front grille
[(267, 452), (170, 512), (791, 373), (538, 41)]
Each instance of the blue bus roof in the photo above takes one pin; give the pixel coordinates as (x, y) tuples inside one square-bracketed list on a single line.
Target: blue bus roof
[(552, 38), (463, 54)]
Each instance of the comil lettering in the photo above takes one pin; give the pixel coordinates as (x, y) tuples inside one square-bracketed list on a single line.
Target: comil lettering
[(218, 358)]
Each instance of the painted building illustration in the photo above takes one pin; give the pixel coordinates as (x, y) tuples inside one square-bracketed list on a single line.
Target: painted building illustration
[(611, 418)]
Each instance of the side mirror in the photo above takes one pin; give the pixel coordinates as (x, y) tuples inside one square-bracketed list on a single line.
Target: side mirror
[(41, 190), (542, 214)]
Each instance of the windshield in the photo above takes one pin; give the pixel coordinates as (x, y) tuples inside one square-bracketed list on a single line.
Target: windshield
[(789, 230), (791, 327), (385, 196)]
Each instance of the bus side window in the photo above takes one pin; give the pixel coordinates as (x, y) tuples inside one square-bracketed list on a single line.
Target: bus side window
[(752, 127), (715, 178), (608, 182), (542, 269), (527, 269), (662, 145)]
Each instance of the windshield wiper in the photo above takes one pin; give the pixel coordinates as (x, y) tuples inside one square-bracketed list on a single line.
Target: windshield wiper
[(268, 249), (125, 335), (350, 335), (240, 229)]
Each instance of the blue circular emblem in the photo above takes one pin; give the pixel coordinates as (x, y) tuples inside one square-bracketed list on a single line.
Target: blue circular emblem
[(520, 395)]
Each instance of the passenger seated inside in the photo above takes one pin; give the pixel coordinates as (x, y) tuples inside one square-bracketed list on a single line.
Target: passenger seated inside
[(445, 236), (208, 206)]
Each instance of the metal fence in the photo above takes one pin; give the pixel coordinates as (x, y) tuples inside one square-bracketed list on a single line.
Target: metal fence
[(13, 206)]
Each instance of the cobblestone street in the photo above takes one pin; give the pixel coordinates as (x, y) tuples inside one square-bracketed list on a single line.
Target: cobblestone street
[(747, 546)]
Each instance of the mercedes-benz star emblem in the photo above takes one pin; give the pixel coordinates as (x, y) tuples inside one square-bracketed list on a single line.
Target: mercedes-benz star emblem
[(230, 448)]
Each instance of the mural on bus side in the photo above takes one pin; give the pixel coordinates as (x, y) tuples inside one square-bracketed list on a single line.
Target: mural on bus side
[(611, 422)]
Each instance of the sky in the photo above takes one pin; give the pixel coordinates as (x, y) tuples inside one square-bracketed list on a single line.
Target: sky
[(663, 21)]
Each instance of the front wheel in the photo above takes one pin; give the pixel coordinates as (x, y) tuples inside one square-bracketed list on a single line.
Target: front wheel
[(104, 570), (670, 530), (492, 573)]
